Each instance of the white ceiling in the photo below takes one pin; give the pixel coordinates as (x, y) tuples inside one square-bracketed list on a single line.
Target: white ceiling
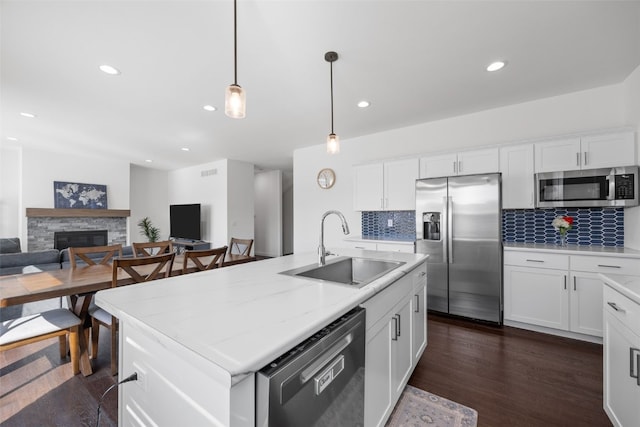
[(415, 61)]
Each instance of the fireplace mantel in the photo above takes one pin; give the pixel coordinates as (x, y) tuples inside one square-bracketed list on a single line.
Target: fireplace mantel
[(78, 213)]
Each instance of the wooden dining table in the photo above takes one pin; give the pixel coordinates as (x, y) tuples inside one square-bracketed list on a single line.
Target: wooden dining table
[(79, 284)]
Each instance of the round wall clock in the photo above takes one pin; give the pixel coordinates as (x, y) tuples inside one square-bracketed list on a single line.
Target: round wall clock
[(326, 178)]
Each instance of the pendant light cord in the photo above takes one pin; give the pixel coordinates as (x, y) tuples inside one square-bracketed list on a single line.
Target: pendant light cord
[(331, 68), (235, 45)]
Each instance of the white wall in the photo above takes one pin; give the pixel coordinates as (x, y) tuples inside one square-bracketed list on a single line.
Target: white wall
[(240, 201), (10, 184), (268, 213), (593, 109), (41, 168), (187, 185), (149, 198), (632, 103), (287, 213), (225, 191)]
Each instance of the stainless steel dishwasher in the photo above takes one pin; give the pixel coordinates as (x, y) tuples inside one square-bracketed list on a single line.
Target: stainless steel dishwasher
[(318, 383)]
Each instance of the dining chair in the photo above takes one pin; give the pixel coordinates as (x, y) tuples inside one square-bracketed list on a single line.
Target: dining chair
[(206, 259), (85, 254), (58, 322), (139, 270), (240, 246), (152, 248)]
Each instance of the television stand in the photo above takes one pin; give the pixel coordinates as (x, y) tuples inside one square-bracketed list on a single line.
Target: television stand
[(182, 245)]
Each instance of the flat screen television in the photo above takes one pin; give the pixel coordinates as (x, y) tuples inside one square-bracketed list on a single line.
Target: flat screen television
[(184, 221)]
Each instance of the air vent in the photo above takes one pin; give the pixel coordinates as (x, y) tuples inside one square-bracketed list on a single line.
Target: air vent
[(209, 172)]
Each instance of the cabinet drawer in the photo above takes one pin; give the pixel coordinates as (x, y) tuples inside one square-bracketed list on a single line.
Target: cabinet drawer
[(535, 259), (628, 312), (606, 265), (361, 245), (395, 247)]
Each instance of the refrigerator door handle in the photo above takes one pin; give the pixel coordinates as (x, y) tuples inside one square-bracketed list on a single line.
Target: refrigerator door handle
[(450, 228)]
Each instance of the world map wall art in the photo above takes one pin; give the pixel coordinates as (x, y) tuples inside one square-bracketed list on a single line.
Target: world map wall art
[(75, 195)]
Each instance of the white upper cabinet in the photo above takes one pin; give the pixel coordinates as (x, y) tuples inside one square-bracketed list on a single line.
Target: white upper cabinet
[(516, 165), (587, 152), (441, 165), (368, 186), (610, 150), (461, 163), (388, 186)]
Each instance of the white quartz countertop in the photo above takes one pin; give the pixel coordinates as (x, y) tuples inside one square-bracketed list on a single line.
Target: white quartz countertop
[(244, 316), (574, 249), (628, 286)]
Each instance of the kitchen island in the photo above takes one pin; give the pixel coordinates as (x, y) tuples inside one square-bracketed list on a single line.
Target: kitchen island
[(197, 340)]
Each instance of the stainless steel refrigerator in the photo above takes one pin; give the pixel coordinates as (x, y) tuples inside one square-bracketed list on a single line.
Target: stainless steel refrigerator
[(458, 223)]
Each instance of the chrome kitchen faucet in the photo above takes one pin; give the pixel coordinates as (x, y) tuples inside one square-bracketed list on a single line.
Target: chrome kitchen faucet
[(322, 253)]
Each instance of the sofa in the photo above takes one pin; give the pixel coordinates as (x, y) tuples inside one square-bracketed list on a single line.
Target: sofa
[(14, 261)]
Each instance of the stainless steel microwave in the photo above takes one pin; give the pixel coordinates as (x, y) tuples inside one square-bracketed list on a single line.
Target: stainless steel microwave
[(588, 188)]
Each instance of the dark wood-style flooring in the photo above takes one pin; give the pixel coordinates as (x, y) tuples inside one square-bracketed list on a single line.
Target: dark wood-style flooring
[(510, 376), (513, 377)]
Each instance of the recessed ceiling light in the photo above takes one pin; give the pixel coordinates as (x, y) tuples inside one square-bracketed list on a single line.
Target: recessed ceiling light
[(30, 115), (12, 138), (149, 161), (363, 104), (109, 70), (185, 149), (209, 108), (495, 66)]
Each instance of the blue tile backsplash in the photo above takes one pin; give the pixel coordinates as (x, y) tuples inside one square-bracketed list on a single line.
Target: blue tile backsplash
[(375, 225), (591, 227)]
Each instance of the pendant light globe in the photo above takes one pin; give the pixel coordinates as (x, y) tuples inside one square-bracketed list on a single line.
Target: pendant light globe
[(333, 144), (235, 102)]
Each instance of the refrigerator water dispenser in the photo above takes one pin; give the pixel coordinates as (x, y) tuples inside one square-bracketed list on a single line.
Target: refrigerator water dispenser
[(431, 225)]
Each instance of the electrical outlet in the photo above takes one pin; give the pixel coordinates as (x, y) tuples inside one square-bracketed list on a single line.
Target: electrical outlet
[(142, 376), (389, 222)]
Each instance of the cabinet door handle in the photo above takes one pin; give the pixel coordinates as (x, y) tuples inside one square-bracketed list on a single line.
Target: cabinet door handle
[(634, 363), (609, 266), (417, 310), (565, 281), (455, 167), (534, 260), (399, 327), (459, 166), (395, 328), (577, 159), (615, 307), (423, 273), (574, 283), (585, 158)]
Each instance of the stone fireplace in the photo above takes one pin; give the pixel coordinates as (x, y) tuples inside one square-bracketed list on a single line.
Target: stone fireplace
[(42, 224)]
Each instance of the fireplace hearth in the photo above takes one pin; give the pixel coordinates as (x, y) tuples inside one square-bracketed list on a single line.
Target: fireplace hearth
[(81, 238)]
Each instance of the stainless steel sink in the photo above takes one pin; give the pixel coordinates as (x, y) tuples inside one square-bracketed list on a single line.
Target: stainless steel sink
[(349, 271)]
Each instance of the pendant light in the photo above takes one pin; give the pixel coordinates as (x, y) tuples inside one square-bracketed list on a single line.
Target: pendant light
[(234, 97), (333, 141)]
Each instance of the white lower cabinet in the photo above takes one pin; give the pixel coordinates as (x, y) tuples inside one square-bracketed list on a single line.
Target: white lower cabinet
[(392, 350), (586, 303), (621, 359), (558, 291), (536, 296), (419, 322)]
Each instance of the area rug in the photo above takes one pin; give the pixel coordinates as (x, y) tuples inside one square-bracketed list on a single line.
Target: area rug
[(420, 408)]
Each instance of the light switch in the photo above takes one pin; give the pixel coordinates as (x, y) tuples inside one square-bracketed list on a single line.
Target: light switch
[(389, 222)]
